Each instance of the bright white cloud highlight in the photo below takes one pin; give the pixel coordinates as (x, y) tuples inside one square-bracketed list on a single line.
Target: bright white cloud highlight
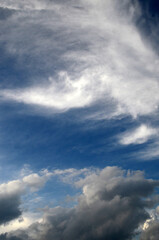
[(72, 94), (139, 135), (23, 222), (106, 59)]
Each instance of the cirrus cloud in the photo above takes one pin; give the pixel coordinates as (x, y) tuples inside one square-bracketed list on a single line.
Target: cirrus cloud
[(99, 54), (139, 135)]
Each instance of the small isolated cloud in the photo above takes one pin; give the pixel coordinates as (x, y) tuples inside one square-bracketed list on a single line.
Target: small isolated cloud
[(112, 206), (139, 135)]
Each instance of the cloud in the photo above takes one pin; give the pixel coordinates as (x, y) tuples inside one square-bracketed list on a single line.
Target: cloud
[(139, 135), (112, 206), (73, 94), (90, 52), (9, 208), (151, 152), (12, 192), (35, 181), (24, 221), (26, 5), (151, 226), (142, 134), (73, 175), (151, 232), (5, 13)]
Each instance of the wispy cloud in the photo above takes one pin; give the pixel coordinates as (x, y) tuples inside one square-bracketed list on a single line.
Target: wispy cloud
[(25, 5), (138, 135), (151, 152), (99, 54)]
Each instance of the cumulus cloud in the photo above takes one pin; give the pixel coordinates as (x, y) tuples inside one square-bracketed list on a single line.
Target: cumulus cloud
[(24, 221), (98, 53), (139, 135), (152, 232), (11, 193), (112, 206)]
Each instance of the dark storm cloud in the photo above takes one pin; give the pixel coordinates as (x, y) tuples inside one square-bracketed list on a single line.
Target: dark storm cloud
[(5, 13), (12, 192), (111, 207), (9, 207), (4, 237)]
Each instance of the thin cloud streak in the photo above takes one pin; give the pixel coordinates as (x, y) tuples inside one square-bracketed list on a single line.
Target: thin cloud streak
[(139, 135)]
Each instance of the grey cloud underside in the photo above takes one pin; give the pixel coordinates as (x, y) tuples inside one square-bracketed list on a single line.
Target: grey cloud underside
[(9, 207), (152, 233), (111, 207), (11, 195), (4, 237), (5, 13)]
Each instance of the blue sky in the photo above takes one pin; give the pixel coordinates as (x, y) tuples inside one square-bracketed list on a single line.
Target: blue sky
[(79, 128)]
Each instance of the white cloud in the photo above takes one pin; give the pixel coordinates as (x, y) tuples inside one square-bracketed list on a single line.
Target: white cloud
[(74, 94), (139, 135), (31, 182), (34, 181), (106, 58)]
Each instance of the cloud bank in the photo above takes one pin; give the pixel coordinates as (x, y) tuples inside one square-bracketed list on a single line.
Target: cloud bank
[(112, 206)]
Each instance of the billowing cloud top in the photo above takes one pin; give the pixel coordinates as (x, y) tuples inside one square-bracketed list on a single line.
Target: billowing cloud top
[(112, 205)]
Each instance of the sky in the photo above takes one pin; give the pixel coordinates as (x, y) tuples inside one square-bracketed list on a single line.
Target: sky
[(79, 131)]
